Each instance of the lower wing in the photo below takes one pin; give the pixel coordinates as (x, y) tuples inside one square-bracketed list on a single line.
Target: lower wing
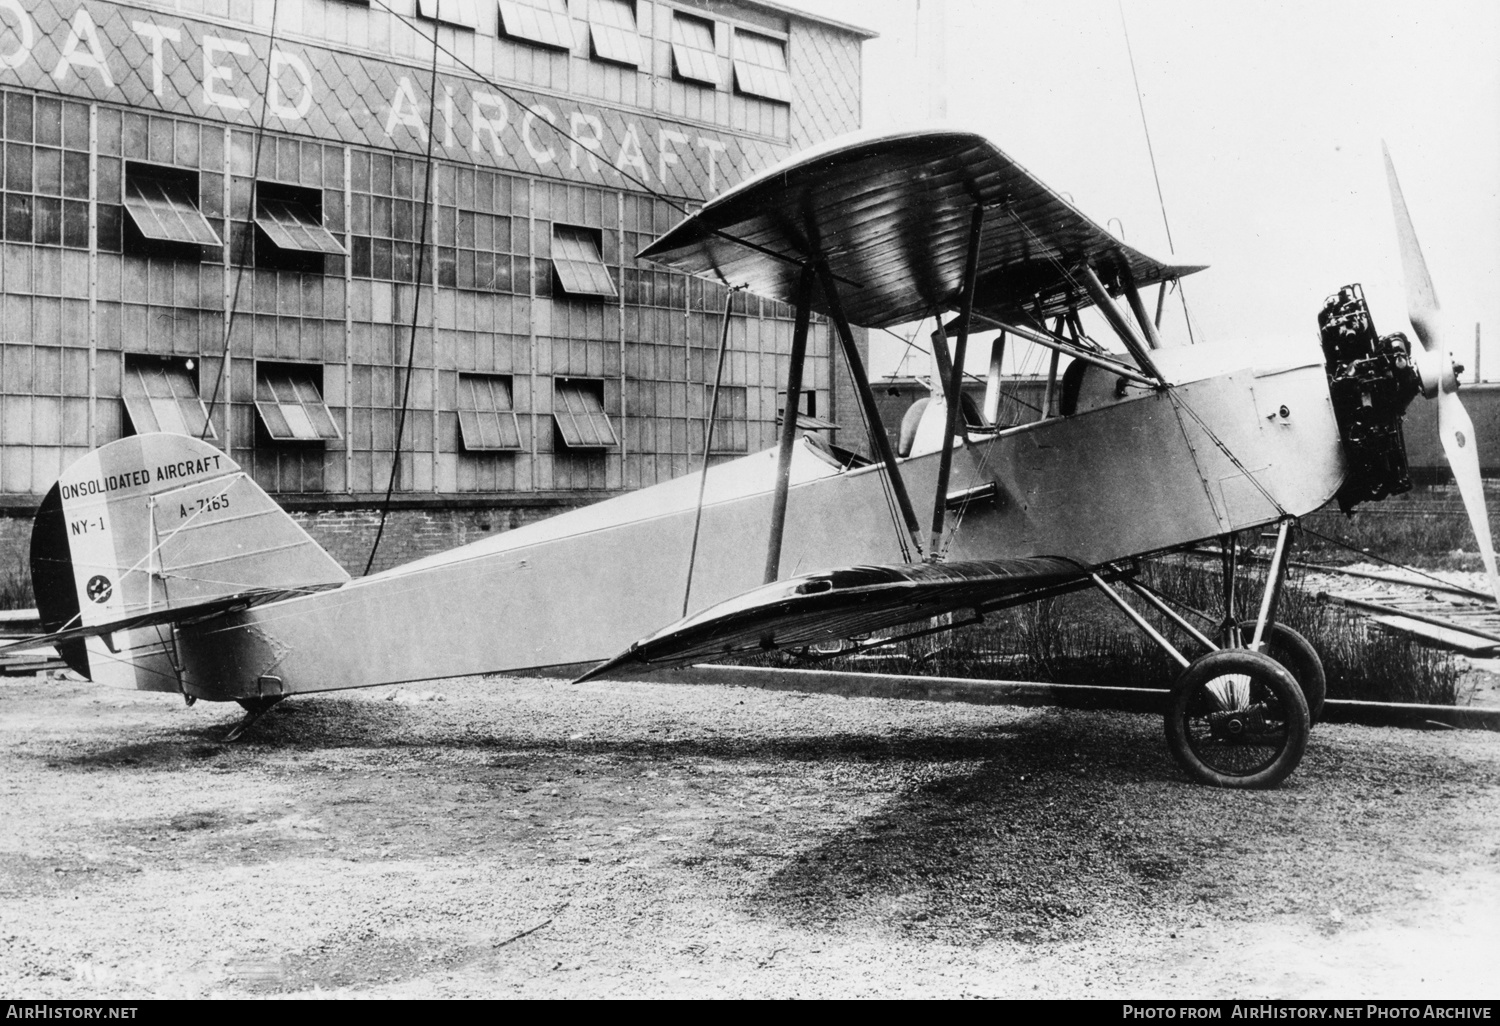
[(841, 604)]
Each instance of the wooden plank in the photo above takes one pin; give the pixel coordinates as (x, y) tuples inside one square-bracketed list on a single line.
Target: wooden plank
[(20, 621), (1469, 644)]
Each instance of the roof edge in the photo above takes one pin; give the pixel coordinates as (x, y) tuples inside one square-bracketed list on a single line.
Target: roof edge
[(806, 15)]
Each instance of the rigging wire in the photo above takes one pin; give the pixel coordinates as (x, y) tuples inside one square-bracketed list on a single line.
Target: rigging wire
[(248, 234), (416, 306), (982, 467), (708, 446), (1363, 553), (589, 144), (1151, 151), (887, 486), (1179, 405), (508, 94)]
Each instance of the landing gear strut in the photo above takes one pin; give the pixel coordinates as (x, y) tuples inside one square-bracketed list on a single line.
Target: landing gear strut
[(1265, 635), (1240, 715)]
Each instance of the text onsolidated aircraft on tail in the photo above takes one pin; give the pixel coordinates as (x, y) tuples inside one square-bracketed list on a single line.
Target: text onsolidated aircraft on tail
[(160, 565)]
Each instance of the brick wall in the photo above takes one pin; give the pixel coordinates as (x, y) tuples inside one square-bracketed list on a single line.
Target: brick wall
[(346, 534)]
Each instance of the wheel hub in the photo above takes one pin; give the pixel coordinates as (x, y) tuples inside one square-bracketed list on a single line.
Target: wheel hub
[(1242, 726)]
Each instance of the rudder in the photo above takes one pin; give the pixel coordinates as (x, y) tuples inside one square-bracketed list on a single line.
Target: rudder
[(151, 528)]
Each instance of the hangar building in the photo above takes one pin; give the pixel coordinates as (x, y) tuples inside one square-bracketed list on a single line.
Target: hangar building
[(213, 221)]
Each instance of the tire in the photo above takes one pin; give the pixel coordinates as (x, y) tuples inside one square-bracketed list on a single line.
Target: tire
[(1301, 660), (1237, 718)]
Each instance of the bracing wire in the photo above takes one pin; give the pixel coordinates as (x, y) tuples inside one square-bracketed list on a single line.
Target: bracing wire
[(245, 237), (1151, 152), (562, 133), (416, 306), (542, 122), (708, 447)]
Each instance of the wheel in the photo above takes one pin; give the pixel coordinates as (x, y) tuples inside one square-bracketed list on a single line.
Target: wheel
[(1296, 653), (1237, 718)]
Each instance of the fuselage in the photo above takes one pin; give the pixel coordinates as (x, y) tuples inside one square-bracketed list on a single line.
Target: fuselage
[(1153, 470)]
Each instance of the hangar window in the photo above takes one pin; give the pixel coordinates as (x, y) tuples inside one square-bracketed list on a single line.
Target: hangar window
[(612, 32), (163, 215), (544, 22), (760, 67), (731, 424), (578, 411), (161, 394), (486, 416), (289, 229), (578, 262), (290, 403), (693, 56), (463, 13)]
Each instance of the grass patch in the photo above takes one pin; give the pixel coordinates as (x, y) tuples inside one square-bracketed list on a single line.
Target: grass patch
[(1083, 639), (15, 584), (1426, 528)]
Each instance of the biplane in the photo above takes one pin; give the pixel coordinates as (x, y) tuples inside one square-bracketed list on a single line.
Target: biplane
[(160, 565)]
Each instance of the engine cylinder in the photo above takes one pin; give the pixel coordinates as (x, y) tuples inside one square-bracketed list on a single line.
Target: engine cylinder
[(1371, 379)]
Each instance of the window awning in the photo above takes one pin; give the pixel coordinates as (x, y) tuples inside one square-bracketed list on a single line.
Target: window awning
[(290, 406), (464, 13), (579, 264), (613, 33), (163, 209), (544, 22), (580, 416), (760, 67), (486, 421), (291, 225), (161, 396), (693, 50)]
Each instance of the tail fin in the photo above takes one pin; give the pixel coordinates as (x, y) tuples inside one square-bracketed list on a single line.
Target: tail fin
[(154, 528)]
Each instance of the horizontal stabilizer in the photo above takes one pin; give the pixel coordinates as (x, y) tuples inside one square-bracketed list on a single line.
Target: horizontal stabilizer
[(157, 528), (839, 604), (178, 614)]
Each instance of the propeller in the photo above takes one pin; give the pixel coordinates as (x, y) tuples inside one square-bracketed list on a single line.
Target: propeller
[(1439, 381)]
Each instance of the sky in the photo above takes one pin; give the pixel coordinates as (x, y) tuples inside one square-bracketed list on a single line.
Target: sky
[(1266, 119)]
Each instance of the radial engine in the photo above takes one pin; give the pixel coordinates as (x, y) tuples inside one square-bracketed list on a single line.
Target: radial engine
[(1372, 379)]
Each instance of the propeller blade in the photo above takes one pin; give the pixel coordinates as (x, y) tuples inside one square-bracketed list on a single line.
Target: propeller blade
[(1421, 298), (1456, 430), (1455, 427)]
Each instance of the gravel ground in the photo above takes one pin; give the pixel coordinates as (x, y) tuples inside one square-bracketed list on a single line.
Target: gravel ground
[(707, 841)]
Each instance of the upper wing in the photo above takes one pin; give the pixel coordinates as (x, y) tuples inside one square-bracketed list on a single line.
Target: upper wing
[(840, 604), (891, 215)]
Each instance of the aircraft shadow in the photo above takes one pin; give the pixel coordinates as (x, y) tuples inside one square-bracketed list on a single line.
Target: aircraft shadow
[(311, 724), (1030, 845), (1080, 823), (1033, 829), (297, 725)]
